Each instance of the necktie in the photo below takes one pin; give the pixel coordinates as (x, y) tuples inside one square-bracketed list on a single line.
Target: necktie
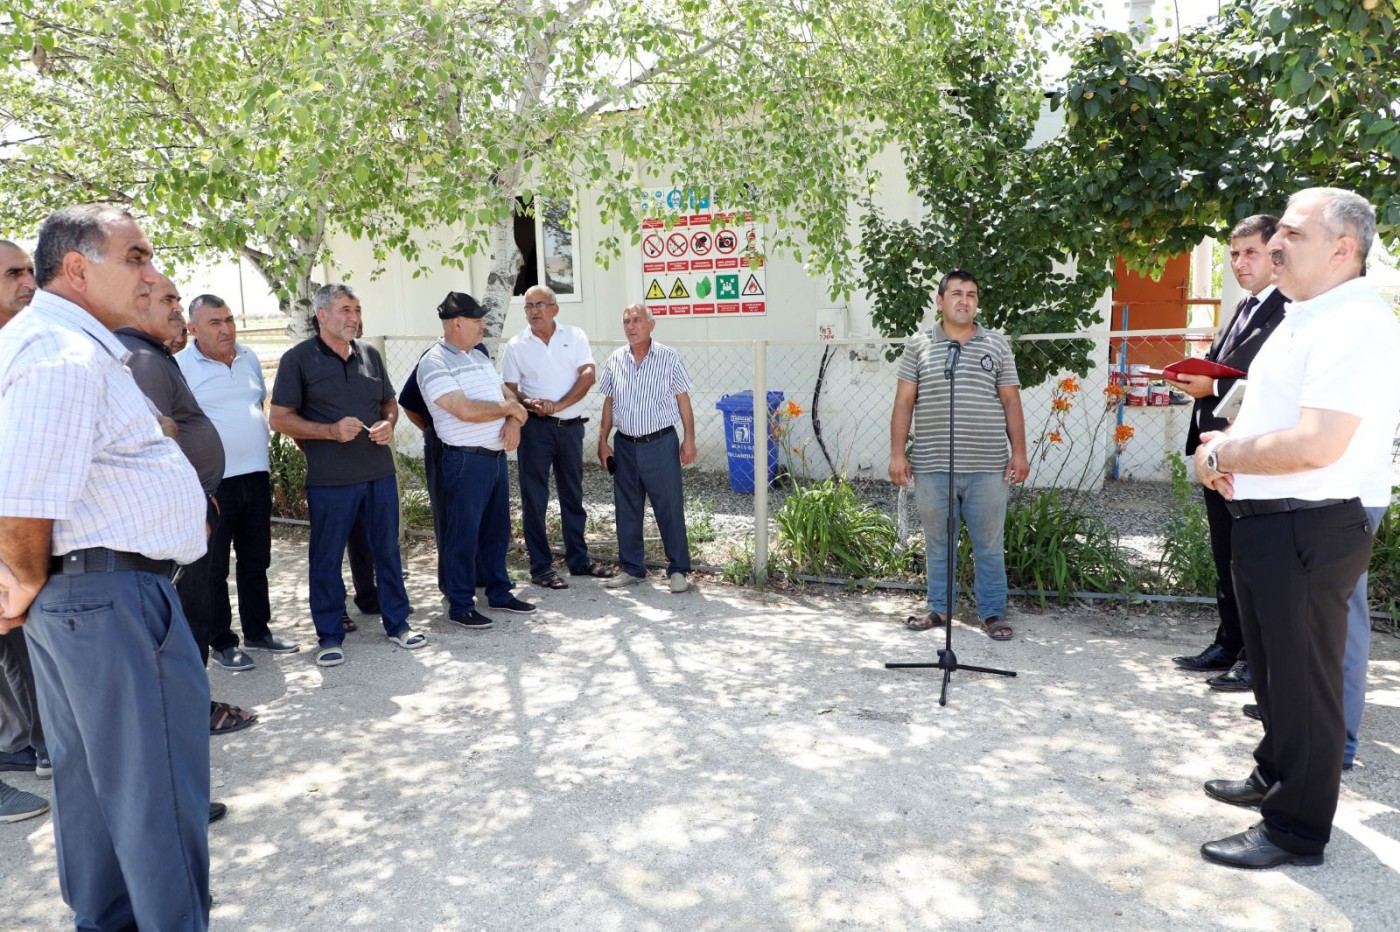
[(1238, 325)]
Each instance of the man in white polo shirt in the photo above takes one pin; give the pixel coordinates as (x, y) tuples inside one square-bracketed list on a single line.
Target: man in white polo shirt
[(478, 425), (227, 380), (549, 367), (1320, 412)]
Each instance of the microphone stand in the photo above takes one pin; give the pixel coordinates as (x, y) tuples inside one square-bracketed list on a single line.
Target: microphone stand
[(947, 660)]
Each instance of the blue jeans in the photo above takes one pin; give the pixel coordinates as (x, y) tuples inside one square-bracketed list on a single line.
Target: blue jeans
[(650, 470), (125, 703), (1358, 651), (334, 509), (979, 501), (546, 445), (476, 512)]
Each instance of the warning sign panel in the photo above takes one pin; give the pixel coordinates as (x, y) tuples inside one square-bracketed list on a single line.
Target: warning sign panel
[(704, 264)]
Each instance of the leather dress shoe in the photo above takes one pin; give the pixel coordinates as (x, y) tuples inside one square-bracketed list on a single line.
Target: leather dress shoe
[(1252, 711), (1213, 657), (1234, 680), (1252, 850), (1235, 792)]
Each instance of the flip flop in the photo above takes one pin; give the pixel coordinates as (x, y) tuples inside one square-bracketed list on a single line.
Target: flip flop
[(997, 629), (926, 623), (225, 719)]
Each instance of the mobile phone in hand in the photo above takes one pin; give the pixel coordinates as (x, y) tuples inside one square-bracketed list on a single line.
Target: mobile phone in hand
[(611, 466)]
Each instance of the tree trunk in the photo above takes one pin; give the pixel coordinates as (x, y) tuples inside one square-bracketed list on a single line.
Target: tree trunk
[(500, 280)]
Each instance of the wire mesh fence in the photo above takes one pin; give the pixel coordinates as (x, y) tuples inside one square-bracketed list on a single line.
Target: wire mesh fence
[(1099, 432)]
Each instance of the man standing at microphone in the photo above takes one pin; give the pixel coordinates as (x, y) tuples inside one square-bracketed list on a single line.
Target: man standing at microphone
[(988, 398)]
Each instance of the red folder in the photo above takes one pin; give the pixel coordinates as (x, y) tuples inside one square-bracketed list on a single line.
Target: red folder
[(1193, 365)]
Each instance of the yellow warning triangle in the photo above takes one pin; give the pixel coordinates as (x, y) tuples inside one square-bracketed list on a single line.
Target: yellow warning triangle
[(678, 290), (655, 292)]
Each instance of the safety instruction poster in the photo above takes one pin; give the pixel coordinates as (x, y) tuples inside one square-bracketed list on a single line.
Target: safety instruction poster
[(705, 265)]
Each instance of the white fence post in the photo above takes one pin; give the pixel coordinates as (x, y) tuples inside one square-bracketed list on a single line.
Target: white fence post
[(762, 438)]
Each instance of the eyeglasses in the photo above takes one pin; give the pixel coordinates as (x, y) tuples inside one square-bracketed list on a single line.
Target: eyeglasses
[(534, 305)]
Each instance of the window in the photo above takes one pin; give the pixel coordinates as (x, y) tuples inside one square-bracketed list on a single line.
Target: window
[(546, 243)]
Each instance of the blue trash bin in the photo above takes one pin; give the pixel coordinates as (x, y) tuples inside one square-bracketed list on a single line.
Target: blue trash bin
[(739, 438)]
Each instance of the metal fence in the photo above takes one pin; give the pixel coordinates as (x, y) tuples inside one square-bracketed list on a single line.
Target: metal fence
[(1089, 419)]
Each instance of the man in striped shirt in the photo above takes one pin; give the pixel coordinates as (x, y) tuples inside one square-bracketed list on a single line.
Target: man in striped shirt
[(646, 391), (478, 425), (958, 356), (99, 509)]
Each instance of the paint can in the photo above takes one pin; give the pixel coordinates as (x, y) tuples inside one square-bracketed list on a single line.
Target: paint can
[(1137, 387)]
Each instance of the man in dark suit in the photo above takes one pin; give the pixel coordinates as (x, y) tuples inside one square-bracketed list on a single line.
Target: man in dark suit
[(1236, 346)]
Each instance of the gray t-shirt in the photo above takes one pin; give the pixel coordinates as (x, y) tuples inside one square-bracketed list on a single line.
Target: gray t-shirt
[(984, 365), (322, 387)]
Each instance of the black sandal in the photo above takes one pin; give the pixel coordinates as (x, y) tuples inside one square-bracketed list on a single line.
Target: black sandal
[(550, 581), (596, 570)]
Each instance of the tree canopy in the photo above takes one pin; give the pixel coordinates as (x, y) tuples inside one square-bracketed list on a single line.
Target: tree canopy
[(1177, 141), (259, 126)]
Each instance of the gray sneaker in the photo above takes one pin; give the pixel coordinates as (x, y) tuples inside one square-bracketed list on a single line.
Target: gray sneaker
[(16, 805), (623, 578), (231, 658), (679, 583)]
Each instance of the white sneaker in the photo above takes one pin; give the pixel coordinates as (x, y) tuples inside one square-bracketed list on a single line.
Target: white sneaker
[(623, 578), (679, 583)]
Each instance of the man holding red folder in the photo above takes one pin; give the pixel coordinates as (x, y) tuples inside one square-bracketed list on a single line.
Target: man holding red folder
[(1292, 468), (1235, 345)]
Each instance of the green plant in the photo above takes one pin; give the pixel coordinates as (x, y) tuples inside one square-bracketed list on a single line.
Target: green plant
[(739, 567), (824, 528), (1053, 547), (288, 468), (416, 511), (699, 521), (1186, 565), (1384, 583)]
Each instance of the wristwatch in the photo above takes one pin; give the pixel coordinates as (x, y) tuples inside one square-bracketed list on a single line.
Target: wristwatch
[(1213, 459)]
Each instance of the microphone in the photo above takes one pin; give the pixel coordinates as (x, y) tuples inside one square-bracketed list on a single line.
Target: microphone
[(954, 351)]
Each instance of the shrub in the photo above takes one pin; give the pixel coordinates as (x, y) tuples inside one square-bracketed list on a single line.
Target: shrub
[(825, 529), (1053, 547), (1186, 566), (1384, 584), (288, 469)]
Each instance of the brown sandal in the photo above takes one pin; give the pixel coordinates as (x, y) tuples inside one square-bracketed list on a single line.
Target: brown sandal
[(926, 623), (225, 719), (997, 629), (550, 580)]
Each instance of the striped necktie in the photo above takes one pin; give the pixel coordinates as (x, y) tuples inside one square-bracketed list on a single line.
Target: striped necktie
[(1238, 325)]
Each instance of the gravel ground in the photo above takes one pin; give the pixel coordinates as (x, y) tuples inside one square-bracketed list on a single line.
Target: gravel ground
[(736, 759)]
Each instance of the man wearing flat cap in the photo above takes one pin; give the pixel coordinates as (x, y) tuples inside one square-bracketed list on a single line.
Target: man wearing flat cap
[(333, 394), (477, 425)]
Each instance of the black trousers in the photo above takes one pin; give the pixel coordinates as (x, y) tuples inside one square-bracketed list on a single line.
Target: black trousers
[(1293, 574), (193, 590), (1228, 635), (245, 525)]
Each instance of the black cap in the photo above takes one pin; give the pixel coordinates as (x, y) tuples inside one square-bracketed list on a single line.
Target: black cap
[(459, 304)]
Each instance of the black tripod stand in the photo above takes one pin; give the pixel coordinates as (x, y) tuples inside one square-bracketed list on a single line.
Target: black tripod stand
[(947, 660)]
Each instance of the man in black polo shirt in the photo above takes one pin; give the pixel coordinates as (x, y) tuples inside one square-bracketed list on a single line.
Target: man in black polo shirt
[(333, 394)]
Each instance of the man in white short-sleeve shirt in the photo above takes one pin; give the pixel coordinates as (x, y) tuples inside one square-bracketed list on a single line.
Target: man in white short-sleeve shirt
[(1292, 468), (549, 367)]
